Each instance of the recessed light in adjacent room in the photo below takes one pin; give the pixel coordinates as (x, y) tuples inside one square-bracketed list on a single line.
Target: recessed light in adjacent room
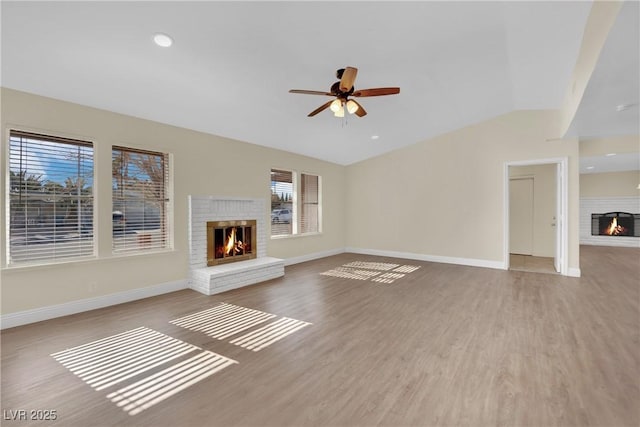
[(375, 136), (590, 167), (623, 107), (162, 40), (610, 154)]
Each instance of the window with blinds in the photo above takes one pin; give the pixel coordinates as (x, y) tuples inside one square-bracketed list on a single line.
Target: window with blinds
[(295, 209), (50, 198), (310, 203), (282, 202), (140, 182)]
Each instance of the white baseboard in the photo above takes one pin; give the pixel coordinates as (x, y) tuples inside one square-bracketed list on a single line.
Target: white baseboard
[(44, 313), (311, 257), (431, 258), (574, 272)]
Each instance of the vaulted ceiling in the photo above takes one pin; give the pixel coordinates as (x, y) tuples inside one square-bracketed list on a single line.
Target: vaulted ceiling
[(232, 63)]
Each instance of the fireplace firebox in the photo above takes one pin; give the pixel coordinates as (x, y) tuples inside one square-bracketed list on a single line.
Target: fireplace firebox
[(230, 241), (615, 224)]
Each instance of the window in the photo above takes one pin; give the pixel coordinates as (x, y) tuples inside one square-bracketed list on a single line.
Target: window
[(294, 210), (310, 201), (50, 198), (282, 201), (140, 200)]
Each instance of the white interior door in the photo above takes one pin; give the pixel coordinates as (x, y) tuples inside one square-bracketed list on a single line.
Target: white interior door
[(521, 216)]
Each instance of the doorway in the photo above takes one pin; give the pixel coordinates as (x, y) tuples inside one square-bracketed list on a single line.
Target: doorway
[(536, 198)]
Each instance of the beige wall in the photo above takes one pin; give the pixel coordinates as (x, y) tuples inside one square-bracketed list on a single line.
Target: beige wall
[(611, 184), (445, 196), (440, 197), (544, 206), (202, 165), (596, 147)]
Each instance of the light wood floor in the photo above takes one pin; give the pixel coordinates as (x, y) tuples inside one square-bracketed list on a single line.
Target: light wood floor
[(445, 345), (534, 264)]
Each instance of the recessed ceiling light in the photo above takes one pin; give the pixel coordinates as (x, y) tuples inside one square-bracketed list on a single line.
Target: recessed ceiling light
[(375, 136), (610, 154), (623, 107), (590, 167), (162, 40)]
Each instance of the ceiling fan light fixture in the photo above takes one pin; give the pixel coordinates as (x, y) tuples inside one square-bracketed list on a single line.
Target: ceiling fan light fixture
[(336, 105), (352, 107), (339, 113)]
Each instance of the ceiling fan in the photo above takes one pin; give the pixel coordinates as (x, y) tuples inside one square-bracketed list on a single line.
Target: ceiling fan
[(342, 90)]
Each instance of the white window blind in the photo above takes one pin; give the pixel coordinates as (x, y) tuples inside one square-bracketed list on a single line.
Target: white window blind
[(282, 202), (50, 198), (140, 200), (310, 201)]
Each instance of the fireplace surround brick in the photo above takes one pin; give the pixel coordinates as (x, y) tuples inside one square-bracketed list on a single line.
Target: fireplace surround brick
[(220, 278)]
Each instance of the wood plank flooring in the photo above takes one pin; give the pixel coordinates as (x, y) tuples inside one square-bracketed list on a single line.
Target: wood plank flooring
[(533, 264), (444, 345)]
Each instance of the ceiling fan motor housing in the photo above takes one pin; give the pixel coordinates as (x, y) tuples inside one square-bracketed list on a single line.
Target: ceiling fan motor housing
[(335, 89)]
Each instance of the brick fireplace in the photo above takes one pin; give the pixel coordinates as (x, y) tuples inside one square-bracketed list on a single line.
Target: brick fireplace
[(597, 226), (228, 244)]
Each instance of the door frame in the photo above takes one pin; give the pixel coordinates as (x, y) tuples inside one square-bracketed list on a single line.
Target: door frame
[(561, 259)]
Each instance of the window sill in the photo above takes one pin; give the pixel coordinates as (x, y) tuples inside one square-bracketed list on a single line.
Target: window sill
[(136, 253), (83, 261), (295, 236), (44, 265)]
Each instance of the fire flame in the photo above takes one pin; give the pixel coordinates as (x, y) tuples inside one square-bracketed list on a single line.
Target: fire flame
[(233, 244), (614, 229)]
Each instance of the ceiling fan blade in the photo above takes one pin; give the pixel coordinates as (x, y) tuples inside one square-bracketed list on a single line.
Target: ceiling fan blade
[(348, 78), (379, 91), (320, 108), (310, 92), (360, 112)]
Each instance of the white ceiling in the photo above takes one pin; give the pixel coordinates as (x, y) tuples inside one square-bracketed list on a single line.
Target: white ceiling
[(232, 64), (615, 163)]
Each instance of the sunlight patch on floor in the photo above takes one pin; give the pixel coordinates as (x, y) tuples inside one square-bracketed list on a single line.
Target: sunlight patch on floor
[(372, 271), (268, 334), (383, 266), (388, 277), (226, 320), (350, 273), (152, 390), (111, 360), (125, 356), (223, 321)]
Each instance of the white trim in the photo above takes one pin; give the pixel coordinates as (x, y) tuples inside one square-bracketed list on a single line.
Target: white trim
[(574, 272), (472, 262), (45, 313), (562, 215), (313, 256), (219, 198)]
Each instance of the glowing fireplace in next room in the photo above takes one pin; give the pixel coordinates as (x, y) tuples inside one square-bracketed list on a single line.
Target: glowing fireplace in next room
[(230, 241), (615, 224)]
